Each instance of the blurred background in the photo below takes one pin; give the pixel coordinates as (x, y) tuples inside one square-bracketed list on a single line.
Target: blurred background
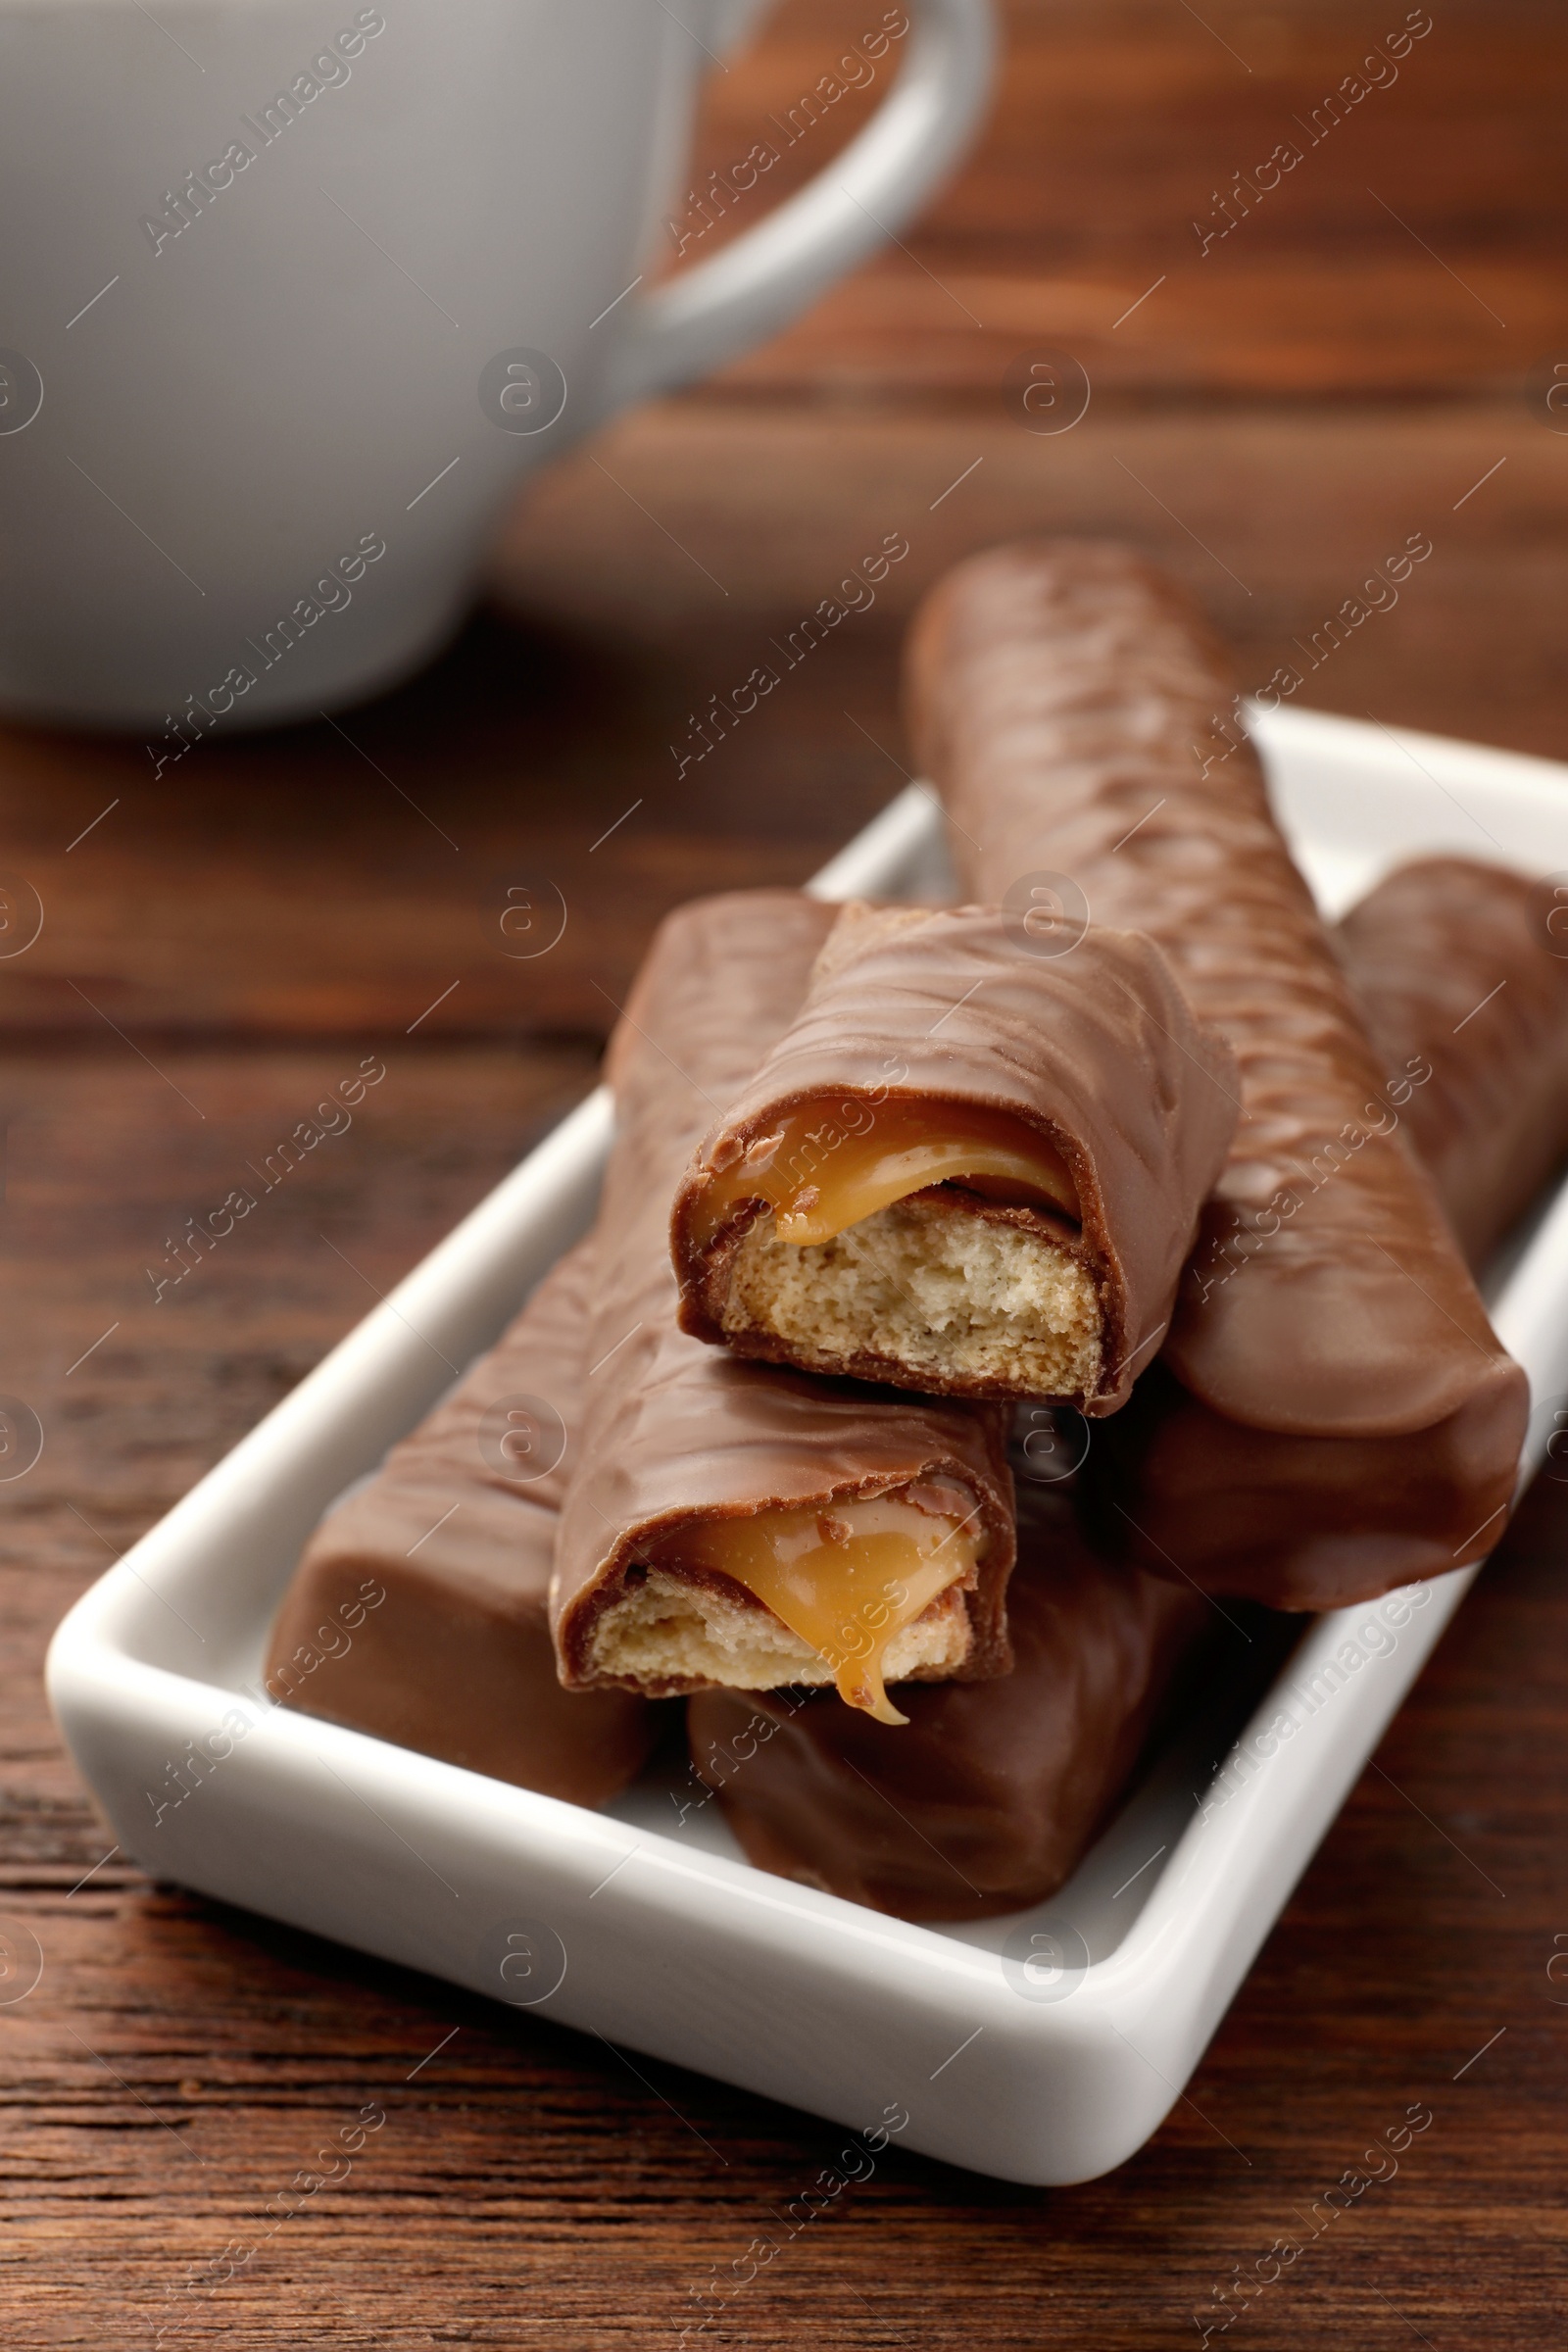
[(1271, 415)]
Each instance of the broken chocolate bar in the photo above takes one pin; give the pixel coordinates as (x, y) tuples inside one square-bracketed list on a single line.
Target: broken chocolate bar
[(737, 1523), (989, 1798), (999, 1812), (965, 1168)]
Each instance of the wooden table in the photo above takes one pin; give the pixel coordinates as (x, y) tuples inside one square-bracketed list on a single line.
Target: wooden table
[(1359, 359)]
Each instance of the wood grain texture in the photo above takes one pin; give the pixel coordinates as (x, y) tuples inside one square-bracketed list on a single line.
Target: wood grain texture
[(326, 882), (1272, 419), (1417, 248)]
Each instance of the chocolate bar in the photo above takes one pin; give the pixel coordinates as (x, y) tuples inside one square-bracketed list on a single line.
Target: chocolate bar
[(1463, 981), (1078, 719), (1298, 1523), (1454, 966), (986, 1802), (738, 1523), (965, 1168), (990, 1799), (419, 1611)]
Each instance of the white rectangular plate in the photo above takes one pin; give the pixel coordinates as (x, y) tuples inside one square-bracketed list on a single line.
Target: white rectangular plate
[(1044, 2048)]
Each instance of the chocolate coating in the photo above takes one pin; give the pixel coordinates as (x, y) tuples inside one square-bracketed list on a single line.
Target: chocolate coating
[(1065, 700), (1454, 964), (989, 1798), (1301, 1522), (456, 1659), (1298, 1523), (675, 1431), (1483, 1093), (1095, 1052)]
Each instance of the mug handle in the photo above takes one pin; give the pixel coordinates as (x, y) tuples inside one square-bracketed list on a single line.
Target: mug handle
[(756, 285)]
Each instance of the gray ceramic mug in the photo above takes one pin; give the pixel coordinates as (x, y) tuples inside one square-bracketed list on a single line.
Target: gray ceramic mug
[(296, 293)]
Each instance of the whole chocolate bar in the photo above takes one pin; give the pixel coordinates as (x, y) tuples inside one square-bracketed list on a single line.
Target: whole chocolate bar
[(1461, 975), (986, 1802), (419, 1611), (1467, 1004), (1074, 713), (1062, 694), (1298, 1523), (737, 1523), (965, 1168)]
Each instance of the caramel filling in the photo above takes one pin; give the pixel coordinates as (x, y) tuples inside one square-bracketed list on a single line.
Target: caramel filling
[(834, 1161), (846, 1578)]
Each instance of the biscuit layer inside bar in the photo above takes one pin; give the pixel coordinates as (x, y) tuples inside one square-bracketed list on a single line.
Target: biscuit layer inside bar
[(833, 1162), (854, 1592), (945, 1294)]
